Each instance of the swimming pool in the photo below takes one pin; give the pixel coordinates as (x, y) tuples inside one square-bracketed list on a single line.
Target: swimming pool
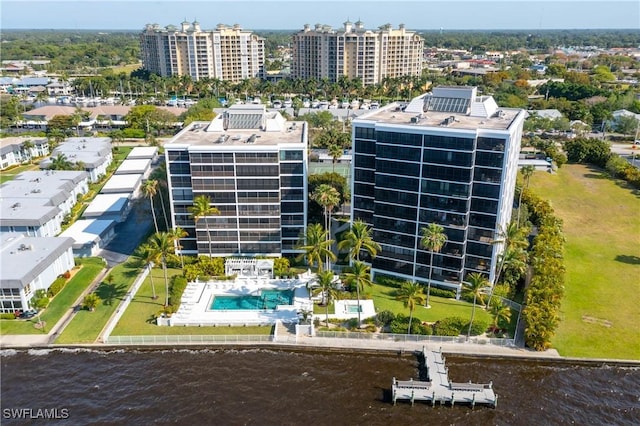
[(268, 299), (352, 309)]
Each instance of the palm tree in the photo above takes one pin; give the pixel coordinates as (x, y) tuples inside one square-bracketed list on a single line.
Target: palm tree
[(433, 239), (514, 241), (335, 152), (475, 286), (60, 162), (91, 301), (327, 290), (500, 312), (176, 234), (527, 172), (410, 294), (147, 255), (316, 246), (359, 276), (161, 245), (356, 239), (200, 210), (359, 238), (26, 148), (150, 189), (328, 197)]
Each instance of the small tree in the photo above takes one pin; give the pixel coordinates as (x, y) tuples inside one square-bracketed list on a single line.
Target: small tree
[(39, 302), (91, 301), (411, 295)]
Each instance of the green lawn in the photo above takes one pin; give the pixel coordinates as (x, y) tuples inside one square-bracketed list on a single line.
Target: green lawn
[(138, 319), (10, 174), (601, 306), (60, 304), (384, 299), (86, 326)]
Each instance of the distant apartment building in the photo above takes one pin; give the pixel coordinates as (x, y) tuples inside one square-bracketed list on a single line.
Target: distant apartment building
[(448, 157), (16, 150), (226, 53), (94, 154), (354, 51), (252, 164)]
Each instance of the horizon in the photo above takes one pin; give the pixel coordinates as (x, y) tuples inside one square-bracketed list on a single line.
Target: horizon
[(436, 15)]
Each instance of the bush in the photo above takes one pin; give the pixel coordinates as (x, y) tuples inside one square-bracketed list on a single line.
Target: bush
[(477, 328), (441, 292), (388, 281), (173, 261), (57, 286), (133, 133), (450, 326), (8, 316), (400, 324), (352, 323), (385, 317), (176, 288)]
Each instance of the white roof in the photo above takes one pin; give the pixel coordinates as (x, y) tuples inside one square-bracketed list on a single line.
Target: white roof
[(107, 203), (121, 183), (87, 231), (133, 166), (143, 152)]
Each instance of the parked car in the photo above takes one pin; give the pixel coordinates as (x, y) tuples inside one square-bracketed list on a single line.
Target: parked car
[(28, 314)]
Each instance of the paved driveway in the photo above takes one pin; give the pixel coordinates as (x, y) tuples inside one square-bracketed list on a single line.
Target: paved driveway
[(129, 235)]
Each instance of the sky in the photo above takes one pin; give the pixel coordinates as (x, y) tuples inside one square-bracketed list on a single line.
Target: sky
[(292, 15)]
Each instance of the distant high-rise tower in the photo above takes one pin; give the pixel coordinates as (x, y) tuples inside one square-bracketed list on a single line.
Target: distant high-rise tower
[(356, 52), (226, 53), (449, 157)]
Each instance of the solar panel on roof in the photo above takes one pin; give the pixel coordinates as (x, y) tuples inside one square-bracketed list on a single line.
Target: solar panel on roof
[(440, 104), (244, 121)]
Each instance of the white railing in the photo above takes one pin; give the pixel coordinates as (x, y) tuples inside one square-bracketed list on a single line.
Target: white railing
[(322, 338), (188, 339), (413, 338)]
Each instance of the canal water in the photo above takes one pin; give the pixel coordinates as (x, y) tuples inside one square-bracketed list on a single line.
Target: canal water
[(282, 387)]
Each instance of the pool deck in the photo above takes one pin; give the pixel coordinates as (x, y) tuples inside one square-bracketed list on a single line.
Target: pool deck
[(195, 307)]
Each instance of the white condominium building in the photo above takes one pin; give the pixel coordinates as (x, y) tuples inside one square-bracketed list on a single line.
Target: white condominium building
[(226, 53), (354, 51)]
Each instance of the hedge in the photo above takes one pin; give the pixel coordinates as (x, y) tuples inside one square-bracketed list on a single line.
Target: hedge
[(57, 286)]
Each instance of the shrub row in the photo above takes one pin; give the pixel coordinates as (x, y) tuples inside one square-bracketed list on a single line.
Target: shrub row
[(57, 286), (450, 326), (8, 316)]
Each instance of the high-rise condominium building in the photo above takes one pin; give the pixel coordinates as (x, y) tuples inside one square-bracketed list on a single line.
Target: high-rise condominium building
[(448, 157), (226, 53), (354, 51), (252, 165)]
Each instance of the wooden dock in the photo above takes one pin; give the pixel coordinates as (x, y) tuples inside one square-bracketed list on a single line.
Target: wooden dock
[(438, 389)]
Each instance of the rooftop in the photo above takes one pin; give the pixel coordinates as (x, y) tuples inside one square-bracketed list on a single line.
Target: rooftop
[(107, 203), (133, 166), (23, 258), (142, 152), (87, 231), (52, 187), (450, 107), (242, 125), (121, 183)]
